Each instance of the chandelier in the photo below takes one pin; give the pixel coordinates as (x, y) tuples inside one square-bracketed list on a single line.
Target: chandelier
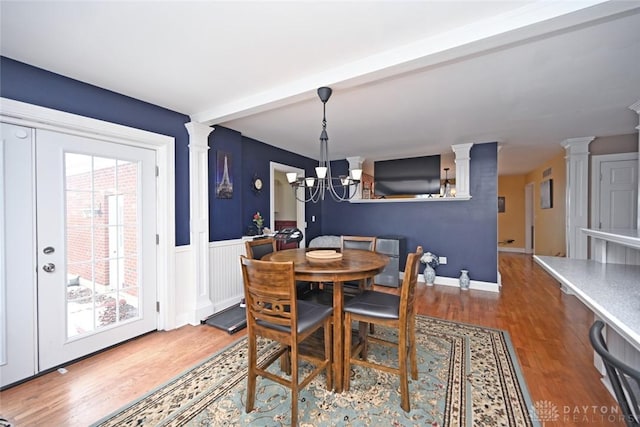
[(342, 188)]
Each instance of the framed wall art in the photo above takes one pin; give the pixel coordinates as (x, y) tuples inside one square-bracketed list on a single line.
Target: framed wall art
[(546, 194), (224, 184)]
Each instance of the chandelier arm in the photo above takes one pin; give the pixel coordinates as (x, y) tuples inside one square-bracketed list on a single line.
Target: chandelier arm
[(346, 191)]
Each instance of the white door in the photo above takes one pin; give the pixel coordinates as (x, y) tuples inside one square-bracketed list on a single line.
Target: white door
[(88, 297), (17, 256), (299, 206), (618, 202)]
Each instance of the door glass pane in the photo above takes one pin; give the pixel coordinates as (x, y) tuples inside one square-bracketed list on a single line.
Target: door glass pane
[(101, 200)]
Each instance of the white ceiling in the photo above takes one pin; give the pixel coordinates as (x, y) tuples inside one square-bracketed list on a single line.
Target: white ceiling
[(410, 78)]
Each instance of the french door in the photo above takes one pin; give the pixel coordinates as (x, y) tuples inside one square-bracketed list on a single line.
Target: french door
[(94, 222)]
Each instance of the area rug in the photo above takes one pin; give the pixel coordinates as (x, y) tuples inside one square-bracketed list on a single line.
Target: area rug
[(468, 376)]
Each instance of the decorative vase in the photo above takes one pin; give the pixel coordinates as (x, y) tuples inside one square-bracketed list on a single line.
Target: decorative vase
[(429, 275), (464, 280)]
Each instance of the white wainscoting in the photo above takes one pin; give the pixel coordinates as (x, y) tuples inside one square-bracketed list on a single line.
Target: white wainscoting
[(225, 280), (225, 275)]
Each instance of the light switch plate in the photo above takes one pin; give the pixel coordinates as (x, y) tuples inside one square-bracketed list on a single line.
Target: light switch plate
[(442, 259)]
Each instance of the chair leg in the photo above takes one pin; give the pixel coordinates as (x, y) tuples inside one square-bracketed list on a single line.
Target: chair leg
[(368, 285), (294, 386), (285, 362), (412, 347), (404, 380), (328, 353), (363, 333), (251, 377), (346, 363)]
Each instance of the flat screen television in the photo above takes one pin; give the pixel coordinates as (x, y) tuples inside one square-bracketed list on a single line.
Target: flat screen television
[(412, 176)]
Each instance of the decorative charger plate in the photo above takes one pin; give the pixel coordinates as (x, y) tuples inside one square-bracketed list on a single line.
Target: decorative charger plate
[(324, 255)]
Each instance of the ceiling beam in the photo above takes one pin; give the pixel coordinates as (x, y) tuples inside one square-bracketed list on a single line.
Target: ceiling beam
[(532, 20)]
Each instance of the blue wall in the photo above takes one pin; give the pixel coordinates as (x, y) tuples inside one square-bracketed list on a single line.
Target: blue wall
[(463, 231), (257, 157), (231, 218), (25, 83), (225, 215)]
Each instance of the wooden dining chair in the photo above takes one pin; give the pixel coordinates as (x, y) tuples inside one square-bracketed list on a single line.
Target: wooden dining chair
[(365, 243), (258, 248), (274, 312), (625, 380), (394, 311)]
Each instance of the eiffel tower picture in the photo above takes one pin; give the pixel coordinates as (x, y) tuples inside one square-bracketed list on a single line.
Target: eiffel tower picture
[(224, 187)]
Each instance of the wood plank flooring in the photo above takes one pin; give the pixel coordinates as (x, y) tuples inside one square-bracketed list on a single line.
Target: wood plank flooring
[(549, 331)]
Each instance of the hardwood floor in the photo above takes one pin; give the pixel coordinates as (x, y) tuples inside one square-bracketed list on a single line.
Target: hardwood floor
[(549, 331)]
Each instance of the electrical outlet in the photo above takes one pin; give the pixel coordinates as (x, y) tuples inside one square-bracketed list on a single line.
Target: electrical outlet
[(442, 259)]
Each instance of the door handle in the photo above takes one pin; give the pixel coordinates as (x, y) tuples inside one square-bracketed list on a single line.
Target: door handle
[(49, 267)]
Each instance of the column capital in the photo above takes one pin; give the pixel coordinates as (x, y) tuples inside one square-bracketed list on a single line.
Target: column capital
[(462, 151), (355, 162), (577, 145), (198, 135)]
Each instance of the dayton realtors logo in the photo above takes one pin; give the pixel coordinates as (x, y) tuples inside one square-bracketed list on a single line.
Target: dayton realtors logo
[(546, 411), (543, 410)]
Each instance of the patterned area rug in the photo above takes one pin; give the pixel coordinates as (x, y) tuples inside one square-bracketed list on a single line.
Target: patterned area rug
[(468, 375)]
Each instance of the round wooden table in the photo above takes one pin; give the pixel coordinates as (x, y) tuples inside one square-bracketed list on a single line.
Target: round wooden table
[(355, 264)]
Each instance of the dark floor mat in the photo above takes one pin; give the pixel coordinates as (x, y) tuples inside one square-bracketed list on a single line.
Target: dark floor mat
[(232, 320)]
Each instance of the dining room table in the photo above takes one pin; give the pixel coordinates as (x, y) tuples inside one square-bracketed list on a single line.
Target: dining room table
[(337, 266)]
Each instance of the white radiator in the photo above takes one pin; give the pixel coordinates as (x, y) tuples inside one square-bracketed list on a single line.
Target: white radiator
[(225, 275)]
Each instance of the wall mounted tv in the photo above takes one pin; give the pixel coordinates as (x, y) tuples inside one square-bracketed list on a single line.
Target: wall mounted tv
[(412, 176)]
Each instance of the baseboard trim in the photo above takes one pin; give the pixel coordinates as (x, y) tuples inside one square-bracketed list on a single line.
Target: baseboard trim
[(516, 250), (475, 285)]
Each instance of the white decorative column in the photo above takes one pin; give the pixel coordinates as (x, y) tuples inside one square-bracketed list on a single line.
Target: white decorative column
[(636, 107), (199, 305), (355, 163), (577, 195), (463, 162)]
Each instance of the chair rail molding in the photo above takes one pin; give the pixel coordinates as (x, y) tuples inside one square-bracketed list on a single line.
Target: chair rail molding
[(200, 305), (577, 195)]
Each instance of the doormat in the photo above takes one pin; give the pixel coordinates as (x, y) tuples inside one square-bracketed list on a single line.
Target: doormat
[(232, 319)]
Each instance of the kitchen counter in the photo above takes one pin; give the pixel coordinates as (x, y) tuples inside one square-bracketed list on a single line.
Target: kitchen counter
[(611, 291)]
